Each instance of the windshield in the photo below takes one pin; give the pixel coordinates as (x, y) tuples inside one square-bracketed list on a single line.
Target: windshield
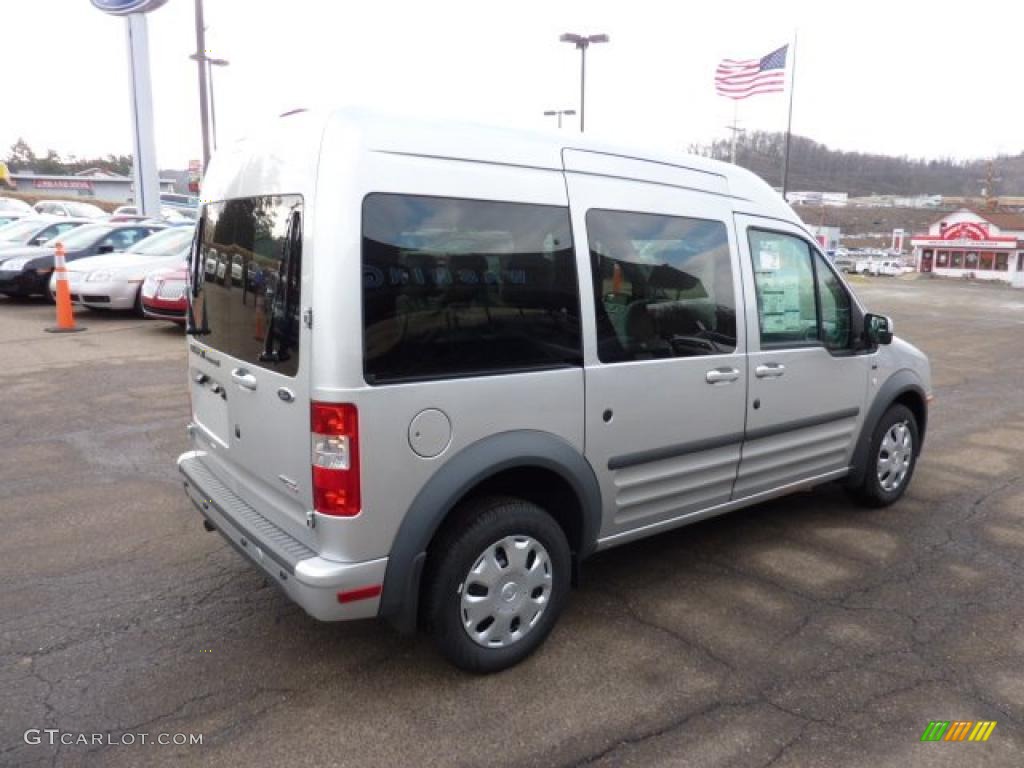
[(84, 236), (11, 204), (167, 242), (86, 210), (19, 230)]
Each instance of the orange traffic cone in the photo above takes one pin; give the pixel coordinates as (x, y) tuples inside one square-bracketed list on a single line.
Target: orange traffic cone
[(65, 314)]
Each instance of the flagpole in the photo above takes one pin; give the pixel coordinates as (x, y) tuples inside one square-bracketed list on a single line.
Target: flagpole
[(789, 124)]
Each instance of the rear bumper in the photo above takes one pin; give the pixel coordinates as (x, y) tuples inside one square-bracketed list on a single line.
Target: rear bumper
[(308, 579)]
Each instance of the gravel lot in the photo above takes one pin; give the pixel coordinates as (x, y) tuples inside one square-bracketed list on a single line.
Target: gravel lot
[(803, 632)]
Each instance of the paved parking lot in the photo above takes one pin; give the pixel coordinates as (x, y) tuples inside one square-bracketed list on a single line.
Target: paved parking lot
[(804, 632)]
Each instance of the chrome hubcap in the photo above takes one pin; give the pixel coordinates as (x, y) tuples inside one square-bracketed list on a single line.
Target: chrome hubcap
[(506, 591), (895, 456)]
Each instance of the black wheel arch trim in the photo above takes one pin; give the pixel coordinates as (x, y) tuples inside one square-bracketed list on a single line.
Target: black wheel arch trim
[(897, 385), (468, 468)]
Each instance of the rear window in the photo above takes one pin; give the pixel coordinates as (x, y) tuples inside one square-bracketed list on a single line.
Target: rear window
[(249, 271), (455, 287)]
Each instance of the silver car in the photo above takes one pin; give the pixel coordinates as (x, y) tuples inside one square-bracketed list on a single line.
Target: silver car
[(114, 280), (433, 368)]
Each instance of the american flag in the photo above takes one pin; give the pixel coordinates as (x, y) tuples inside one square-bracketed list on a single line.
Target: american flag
[(749, 77)]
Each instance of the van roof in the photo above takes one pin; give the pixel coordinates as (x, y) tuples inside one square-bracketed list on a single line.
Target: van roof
[(416, 136)]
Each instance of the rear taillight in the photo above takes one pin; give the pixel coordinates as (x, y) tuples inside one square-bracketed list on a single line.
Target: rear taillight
[(335, 457)]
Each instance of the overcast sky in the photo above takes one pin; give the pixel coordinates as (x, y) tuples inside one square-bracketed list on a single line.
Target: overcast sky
[(893, 77)]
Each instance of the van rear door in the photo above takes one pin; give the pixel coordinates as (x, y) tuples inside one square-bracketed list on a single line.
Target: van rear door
[(249, 353)]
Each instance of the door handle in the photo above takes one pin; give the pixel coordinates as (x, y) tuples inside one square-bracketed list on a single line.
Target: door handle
[(243, 378), (769, 370), (721, 375)]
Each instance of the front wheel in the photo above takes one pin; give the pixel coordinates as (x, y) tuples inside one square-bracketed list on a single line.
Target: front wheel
[(892, 456), (497, 580)]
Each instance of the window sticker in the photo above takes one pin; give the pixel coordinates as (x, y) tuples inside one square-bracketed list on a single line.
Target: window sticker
[(769, 261), (780, 305)]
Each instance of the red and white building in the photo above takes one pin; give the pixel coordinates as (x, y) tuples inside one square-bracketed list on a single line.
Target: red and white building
[(978, 244)]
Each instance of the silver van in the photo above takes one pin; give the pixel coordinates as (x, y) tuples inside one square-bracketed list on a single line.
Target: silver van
[(433, 368)]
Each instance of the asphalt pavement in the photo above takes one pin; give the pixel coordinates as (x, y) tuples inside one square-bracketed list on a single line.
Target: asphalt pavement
[(802, 632)]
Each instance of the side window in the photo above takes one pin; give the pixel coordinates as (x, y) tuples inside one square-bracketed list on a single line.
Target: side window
[(49, 233), (132, 236), (110, 241), (835, 304), (784, 279), (800, 300), (663, 286), (455, 287)]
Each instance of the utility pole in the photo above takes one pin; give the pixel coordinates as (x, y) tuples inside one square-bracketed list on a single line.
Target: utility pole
[(204, 117), (988, 190), (736, 130)]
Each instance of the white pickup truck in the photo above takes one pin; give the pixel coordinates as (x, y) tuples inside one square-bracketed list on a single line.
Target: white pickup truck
[(881, 267)]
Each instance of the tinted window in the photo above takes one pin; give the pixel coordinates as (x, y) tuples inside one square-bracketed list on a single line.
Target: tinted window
[(250, 278), (466, 287), (663, 286), (799, 299)]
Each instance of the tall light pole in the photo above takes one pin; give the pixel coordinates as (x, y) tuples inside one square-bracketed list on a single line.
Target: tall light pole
[(210, 64), (200, 55), (582, 42), (559, 112)]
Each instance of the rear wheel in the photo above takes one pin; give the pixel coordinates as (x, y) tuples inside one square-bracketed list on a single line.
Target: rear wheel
[(892, 457), (497, 580)]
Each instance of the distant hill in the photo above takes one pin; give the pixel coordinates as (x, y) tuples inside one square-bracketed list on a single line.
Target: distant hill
[(814, 166)]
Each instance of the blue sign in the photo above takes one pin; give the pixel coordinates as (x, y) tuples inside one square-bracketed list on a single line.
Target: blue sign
[(124, 7)]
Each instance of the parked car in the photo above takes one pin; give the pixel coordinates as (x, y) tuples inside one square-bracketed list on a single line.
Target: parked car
[(882, 267), (34, 230), (131, 213), (113, 280), (186, 205), (867, 266), (470, 358), (69, 208), (6, 217), (163, 294), (845, 263), (13, 204), (26, 271)]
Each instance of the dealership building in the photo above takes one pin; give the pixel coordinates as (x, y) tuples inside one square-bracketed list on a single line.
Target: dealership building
[(986, 245), (92, 184)]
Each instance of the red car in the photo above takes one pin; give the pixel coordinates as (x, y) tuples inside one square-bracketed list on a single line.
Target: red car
[(163, 294)]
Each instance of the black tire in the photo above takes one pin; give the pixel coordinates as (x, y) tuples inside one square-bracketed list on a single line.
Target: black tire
[(476, 527), (137, 307), (871, 492)]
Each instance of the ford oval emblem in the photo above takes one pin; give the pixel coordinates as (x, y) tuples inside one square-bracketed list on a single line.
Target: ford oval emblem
[(124, 7)]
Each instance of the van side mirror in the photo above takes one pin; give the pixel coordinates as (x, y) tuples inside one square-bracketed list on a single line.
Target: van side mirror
[(878, 329), (105, 249)]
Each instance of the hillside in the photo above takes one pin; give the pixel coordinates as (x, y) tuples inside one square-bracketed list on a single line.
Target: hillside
[(814, 166)]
